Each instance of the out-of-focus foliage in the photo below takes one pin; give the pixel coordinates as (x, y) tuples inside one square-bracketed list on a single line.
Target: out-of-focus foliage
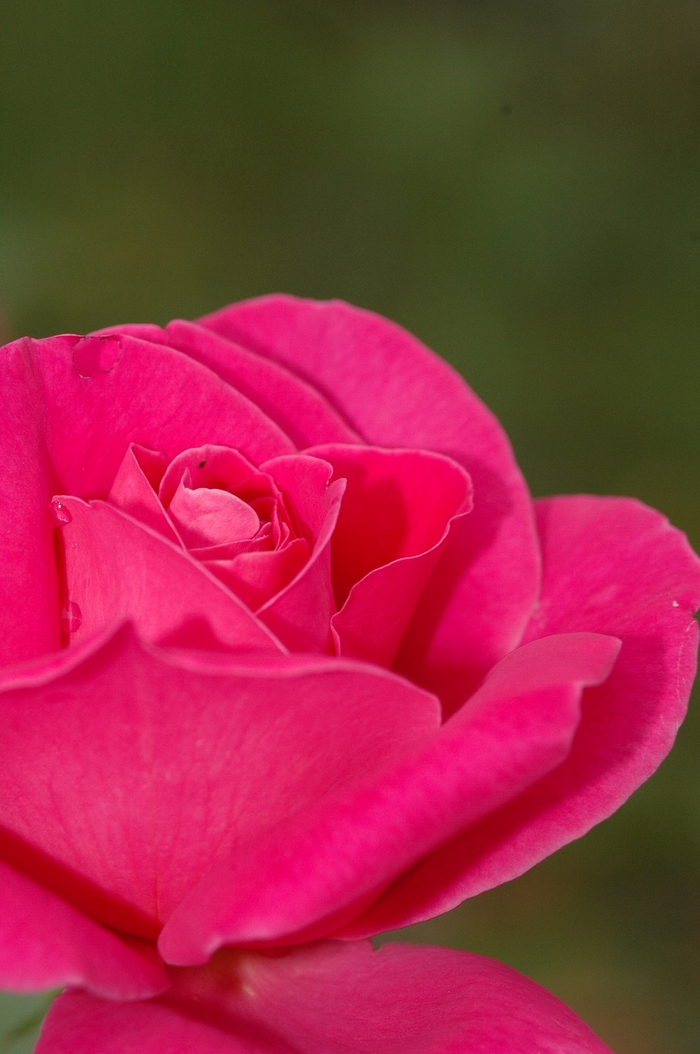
[(519, 183), (20, 1020)]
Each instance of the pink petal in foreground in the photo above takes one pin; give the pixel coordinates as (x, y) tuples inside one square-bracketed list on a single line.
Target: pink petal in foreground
[(128, 772), (29, 610), (611, 565), (397, 393), (117, 568), (46, 943), (329, 998), (323, 867)]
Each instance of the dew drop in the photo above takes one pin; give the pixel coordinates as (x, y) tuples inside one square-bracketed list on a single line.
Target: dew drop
[(93, 355), (676, 604), (60, 513), (71, 617)]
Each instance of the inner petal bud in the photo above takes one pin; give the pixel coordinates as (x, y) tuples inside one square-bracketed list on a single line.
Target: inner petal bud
[(207, 517)]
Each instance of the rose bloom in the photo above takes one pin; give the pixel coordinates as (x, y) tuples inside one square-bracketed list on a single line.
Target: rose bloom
[(290, 658)]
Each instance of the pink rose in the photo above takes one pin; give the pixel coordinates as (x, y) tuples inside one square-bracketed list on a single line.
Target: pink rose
[(290, 658)]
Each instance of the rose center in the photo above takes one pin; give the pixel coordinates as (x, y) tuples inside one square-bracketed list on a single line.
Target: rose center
[(207, 517)]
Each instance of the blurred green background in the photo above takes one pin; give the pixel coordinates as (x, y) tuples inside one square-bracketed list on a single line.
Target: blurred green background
[(516, 181)]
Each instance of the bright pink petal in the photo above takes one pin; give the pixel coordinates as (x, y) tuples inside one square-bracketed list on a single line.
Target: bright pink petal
[(298, 408), (117, 568), (256, 577), (394, 524), (29, 611), (46, 943), (397, 393), (397, 505), (301, 614), (142, 330), (205, 516), (330, 998), (129, 772), (214, 466), (322, 868), (304, 415), (133, 490), (611, 565), (233, 517), (150, 395)]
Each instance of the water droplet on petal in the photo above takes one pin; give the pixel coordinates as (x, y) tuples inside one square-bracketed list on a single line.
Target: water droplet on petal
[(676, 604), (93, 355), (71, 617), (60, 513)]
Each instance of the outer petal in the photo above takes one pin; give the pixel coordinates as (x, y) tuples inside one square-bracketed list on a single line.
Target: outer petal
[(46, 943), (395, 392), (611, 565), (150, 395), (298, 408), (324, 866), (128, 772), (330, 998), (29, 608), (117, 568)]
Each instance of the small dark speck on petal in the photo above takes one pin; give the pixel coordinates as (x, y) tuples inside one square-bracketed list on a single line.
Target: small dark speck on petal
[(201, 464)]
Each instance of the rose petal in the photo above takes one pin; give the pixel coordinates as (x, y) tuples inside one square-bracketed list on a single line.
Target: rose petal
[(153, 396), (301, 614), (215, 466), (117, 568), (257, 577), (304, 415), (296, 597), (138, 770), (611, 565), (205, 516), (142, 330), (46, 943), (397, 505), (298, 408), (135, 490), (323, 867), (330, 998), (392, 529), (29, 611), (262, 543), (397, 393)]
